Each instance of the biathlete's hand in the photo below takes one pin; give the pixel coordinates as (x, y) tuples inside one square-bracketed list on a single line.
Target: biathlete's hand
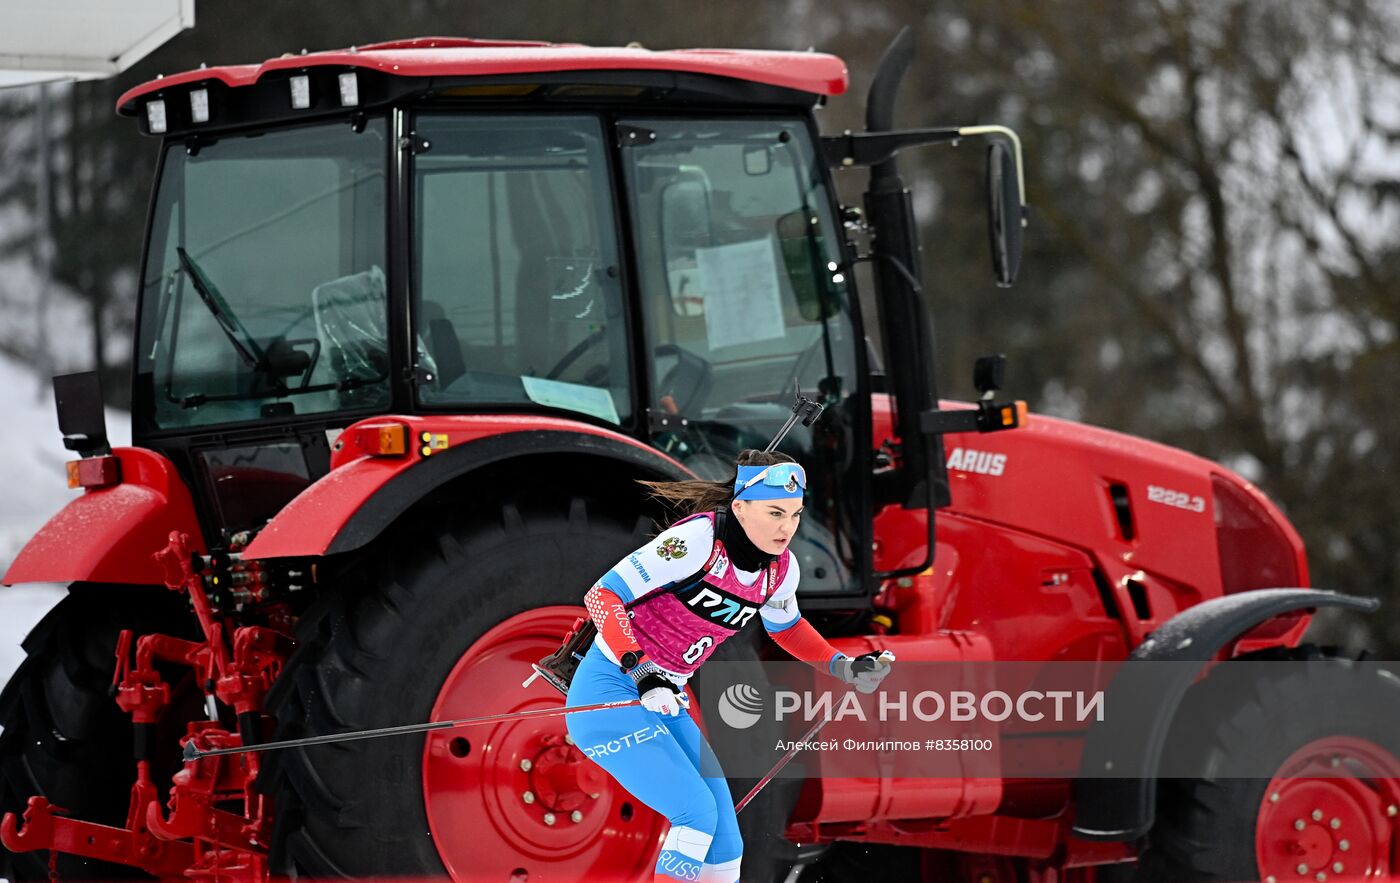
[(864, 672), (662, 701), (658, 692)]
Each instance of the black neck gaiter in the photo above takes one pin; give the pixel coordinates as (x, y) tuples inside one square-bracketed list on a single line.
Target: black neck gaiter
[(742, 552)]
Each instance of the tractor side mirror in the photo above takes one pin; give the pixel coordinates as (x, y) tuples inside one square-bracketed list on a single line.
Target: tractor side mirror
[(989, 374), (81, 418), (1005, 213)]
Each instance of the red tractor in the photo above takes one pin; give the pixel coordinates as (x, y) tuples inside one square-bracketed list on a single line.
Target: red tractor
[(413, 319)]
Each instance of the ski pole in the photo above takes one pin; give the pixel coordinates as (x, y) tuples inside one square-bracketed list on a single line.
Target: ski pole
[(782, 762), (885, 658), (193, 753)]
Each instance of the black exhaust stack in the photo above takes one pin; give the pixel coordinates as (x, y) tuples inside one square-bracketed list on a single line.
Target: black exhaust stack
[(904, 318)]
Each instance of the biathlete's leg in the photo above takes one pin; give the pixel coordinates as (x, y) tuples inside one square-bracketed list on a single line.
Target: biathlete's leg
[(727, 849), (638, 748)]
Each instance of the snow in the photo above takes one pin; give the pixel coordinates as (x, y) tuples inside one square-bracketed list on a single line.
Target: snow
[(34, 487)]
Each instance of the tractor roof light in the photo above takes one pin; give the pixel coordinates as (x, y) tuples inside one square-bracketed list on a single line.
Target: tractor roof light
[(301, 92), (155, 116), (92, 473), (349, 89), (199, 105)]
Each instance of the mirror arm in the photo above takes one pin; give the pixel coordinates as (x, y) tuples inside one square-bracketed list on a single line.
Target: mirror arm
[(1011, 136), (850, 149)]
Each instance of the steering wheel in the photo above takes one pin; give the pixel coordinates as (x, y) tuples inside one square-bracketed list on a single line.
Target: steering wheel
[(687, 382), (575, 352)]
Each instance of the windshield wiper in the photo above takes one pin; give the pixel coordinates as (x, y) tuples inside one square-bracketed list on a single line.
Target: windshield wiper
[(198, 399), (248, 349)]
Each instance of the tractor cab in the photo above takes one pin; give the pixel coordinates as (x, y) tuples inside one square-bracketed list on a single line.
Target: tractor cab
[(645, 242)]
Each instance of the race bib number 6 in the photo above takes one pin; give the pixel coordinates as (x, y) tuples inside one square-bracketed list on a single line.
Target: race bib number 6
[(696, 650)]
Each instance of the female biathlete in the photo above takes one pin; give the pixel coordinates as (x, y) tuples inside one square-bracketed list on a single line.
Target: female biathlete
[(660, 613)]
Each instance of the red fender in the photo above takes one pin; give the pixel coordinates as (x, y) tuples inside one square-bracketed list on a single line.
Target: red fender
[(109, 534), (350, 505)]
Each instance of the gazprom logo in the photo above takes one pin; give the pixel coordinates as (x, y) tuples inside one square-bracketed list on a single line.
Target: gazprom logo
[(740, 706)]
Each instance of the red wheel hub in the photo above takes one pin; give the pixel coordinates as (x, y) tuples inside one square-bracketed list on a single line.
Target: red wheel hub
[(518, 795), (1330, 813)]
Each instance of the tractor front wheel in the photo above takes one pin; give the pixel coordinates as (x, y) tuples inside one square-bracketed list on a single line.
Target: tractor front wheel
[(1330, 730), (443, 622)]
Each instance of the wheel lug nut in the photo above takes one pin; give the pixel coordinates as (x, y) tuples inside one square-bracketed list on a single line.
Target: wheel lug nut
[(1273, 798), (1392, 810), (528, 797), (1336, 823), (575, 817), (549, 818), (595, 795), (1321, 876), (1344, 845), (1337, 868), (568, 740), (1299, 825), (1317, 815), (1271, 879), (1302, 869), (526, 765)]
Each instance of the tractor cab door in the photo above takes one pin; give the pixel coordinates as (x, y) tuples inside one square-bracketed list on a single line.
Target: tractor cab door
[(743, 301)]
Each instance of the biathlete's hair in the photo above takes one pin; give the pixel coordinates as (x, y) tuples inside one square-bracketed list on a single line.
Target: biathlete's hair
[(694, 496)]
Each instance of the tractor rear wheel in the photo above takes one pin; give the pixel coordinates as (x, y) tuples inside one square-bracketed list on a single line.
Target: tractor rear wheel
[(441, 623), (64, 736), (1331, 732)]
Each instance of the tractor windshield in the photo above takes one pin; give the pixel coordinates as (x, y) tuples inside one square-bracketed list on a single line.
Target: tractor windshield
[(263, 294)]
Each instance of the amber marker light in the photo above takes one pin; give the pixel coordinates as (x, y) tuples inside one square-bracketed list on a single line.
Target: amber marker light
[(94, 472), (379, 439)]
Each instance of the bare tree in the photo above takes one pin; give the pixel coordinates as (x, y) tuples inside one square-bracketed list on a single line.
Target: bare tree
[(1218, 180)]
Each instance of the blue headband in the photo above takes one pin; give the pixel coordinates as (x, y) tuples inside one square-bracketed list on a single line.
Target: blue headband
[(781, 481)]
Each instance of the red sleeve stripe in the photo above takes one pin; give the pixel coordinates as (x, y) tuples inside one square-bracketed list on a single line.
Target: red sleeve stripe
[(609, 614), (801, 641)]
